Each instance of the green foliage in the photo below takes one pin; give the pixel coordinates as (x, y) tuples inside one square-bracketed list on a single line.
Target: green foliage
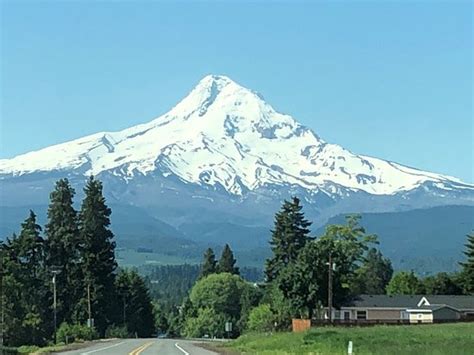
[(117, 331), (170, 284), (280, 306), (442, 284), (226, 295), (404, 283), (433, 339), (207, 322), (161, 319), (227, 262), (69, 333), (261, 319), (6, 350), (135, 305), (97, 257), (63, 246), (373, 275), (221, 292), (209, 265), (289, 236), (468, 265), (25, 288), (304, 283)]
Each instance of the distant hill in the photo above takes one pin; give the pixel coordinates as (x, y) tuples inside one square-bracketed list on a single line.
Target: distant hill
[(426, 240)]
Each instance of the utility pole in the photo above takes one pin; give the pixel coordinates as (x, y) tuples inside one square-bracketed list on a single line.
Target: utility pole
[(89, 309), (55, 272), (331, 267)]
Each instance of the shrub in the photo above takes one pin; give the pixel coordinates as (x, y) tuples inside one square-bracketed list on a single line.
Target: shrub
[(115, 331), (68, 333), (4, 350), (207, 322), (261, 319)]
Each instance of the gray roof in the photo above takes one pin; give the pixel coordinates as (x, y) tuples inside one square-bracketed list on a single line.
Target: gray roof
[(436, 307), (411, 301)]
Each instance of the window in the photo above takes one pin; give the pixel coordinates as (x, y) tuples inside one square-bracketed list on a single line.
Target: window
[(361, 314)]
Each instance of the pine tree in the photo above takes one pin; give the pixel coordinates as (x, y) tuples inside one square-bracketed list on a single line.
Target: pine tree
[(373, 275), (63, 248), (98, 257), (227, 262), (137, 309), (26, 296), (209, 265), (468, 265), (289, 236)]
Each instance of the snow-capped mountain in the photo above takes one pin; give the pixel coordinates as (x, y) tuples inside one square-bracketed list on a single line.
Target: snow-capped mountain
[(217, 166), (223, 135)]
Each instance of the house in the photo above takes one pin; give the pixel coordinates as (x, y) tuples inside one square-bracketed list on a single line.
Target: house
[(405, 309)]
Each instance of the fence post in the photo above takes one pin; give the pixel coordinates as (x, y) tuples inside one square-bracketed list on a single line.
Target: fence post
[(349, 348)]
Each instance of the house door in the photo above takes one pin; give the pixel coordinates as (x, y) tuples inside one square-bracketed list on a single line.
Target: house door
[(347, 315)]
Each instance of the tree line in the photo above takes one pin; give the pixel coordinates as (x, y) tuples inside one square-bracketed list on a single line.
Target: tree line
[(77, 250), (297, 278), (73, 255)]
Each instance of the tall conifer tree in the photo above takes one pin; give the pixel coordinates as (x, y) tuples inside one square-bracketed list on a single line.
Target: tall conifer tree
[(26, 296), (468, 265), (289, 236), (227, 262), (135, 301), (98, 256), (63, 248), (209, 265)]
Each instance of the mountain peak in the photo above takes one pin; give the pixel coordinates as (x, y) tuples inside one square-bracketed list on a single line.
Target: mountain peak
[(225, 135), (212, 79)]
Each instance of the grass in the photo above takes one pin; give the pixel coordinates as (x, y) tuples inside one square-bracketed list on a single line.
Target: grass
[(32, 349), (432, 339)]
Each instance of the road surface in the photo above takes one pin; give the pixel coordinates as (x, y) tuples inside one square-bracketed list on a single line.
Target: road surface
[(142, 347)]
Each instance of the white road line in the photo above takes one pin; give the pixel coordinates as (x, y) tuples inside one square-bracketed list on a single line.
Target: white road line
[(107, 347), (180, 348)]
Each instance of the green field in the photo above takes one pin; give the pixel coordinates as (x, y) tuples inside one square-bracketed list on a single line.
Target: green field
[(456, 339)]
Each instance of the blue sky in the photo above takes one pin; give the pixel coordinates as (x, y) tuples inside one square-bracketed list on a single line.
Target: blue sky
[(386, 79)]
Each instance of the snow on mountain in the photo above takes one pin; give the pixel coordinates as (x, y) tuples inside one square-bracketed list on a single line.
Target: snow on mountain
[(224, 134)]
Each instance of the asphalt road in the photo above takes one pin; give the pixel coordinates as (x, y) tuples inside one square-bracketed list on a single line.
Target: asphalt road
[(143, 347)]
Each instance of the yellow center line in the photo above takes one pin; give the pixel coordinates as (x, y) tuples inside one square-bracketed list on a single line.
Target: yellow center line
[(138, 350)]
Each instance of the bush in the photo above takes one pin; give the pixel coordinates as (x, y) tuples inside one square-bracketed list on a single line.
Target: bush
[(4, 350), (261, 319), (115, 331), (207, 322), (68, 333)]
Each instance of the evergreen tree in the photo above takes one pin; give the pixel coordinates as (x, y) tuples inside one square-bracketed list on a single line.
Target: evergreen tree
[(468, 265), (63, 249), (137, 309), (304, 283), (209, 265), (26, 292), (442, 284), (98, 257), (227, 262), (289, 236), (374, 274)]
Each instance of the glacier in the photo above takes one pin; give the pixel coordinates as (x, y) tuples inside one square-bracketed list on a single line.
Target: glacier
[(223, 135)]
